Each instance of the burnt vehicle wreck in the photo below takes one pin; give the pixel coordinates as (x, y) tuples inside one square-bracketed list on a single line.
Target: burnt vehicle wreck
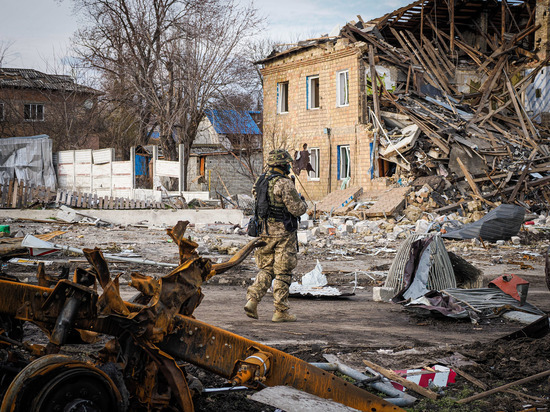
[(148, 342)]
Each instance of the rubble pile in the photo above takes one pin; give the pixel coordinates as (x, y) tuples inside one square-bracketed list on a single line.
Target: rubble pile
[(457, 101)]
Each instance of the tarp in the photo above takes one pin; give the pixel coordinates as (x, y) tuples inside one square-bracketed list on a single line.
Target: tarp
[(27, 159), (499, 224)]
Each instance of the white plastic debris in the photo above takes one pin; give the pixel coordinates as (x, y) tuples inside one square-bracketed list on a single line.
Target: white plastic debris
[(315, 278)]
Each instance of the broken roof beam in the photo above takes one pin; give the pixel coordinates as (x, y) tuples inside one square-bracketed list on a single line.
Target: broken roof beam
[(488, 87), (396, 14), (519, 113), (470, 180), (470, 51), (412, 51), (432, 66), (434, 137), (440, 57)]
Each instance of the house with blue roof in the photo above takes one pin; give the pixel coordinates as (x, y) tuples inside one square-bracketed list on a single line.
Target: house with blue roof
[(226, 155)]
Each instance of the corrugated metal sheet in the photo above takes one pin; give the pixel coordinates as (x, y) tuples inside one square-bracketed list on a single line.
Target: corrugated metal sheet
[(232, 122), (537, 95)]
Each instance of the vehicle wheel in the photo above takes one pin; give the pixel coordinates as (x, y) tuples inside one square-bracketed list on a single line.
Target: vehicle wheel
[(57, 383)]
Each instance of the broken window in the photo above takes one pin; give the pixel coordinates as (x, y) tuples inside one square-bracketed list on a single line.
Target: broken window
[(34, 112), (2, 114), (314, 161), (343, 162), (312, 86), (282, 97), (342, 88)]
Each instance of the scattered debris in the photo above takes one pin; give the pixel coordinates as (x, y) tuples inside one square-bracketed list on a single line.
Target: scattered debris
[(315, 284)]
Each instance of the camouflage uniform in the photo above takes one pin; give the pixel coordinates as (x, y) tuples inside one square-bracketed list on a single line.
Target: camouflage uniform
[(278, 257)]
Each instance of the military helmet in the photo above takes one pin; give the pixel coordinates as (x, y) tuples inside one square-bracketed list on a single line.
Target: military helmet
[(278, 157)]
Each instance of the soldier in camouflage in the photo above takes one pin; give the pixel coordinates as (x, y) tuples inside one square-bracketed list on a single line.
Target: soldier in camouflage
[(278, 257)]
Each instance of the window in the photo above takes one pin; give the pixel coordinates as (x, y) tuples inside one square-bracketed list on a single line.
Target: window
[(343, 162), (342, 88), (34, 112), (312, 87), (282, 97), (314, 161), (2, 114)]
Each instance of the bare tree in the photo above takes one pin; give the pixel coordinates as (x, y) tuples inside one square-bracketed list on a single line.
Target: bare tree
[(5, 53), (170, 58)]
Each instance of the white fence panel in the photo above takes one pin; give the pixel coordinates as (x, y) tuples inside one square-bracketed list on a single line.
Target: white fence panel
[(168, 168)]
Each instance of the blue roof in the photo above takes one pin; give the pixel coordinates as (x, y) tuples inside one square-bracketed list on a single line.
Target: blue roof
[(232, 122)]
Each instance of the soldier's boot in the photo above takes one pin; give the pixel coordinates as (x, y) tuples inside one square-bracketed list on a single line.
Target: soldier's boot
[(251, 309), (279, 316)]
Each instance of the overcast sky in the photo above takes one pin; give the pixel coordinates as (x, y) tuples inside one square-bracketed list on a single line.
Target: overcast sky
[(40, 30)]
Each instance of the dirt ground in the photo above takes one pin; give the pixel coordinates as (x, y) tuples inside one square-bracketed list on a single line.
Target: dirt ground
[(353, 328)]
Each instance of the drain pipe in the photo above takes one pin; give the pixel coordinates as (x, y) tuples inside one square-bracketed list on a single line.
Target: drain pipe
[(399, 398)]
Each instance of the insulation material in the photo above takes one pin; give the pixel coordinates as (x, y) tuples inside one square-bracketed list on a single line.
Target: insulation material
[(27, 159)]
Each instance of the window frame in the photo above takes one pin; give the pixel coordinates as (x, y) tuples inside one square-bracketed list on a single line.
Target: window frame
[(33, 112), (339, 74), (345, 148), (312, 92), (314, 157), (282, 97)]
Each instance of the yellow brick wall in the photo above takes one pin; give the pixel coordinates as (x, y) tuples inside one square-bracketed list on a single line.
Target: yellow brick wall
[(300, 125)]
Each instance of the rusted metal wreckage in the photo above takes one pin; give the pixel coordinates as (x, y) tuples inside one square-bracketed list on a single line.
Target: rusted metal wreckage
[(142, 368)]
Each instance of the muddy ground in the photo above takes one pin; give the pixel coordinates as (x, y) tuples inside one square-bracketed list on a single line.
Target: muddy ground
[(353, 328)]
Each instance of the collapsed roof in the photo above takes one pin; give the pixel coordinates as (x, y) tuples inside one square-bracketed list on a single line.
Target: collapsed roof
[(461, 92)]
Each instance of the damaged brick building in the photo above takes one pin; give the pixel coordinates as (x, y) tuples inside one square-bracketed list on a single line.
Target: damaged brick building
[(458, 83)]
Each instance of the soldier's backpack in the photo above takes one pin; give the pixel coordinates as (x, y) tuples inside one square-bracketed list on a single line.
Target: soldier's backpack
[(261, 209)]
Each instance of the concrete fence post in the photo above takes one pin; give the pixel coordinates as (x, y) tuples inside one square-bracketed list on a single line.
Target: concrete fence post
[(182, 171), (133, 171), (154, 160)]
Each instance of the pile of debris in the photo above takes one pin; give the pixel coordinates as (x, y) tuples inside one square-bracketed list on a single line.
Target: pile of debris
[(448, 100)]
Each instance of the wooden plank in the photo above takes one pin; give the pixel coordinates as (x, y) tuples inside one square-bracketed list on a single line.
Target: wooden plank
[(25, 198), (19, 202), (504, 387), (488, 87), (439, 57), (10, 192), (519, 113), (402, 381), (95, 205), (4, 201), (432, 66), (522, 176), (15, 193), (434, 137)]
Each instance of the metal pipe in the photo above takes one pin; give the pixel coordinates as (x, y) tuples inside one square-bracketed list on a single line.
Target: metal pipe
[(400, 398), (226, 389)]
